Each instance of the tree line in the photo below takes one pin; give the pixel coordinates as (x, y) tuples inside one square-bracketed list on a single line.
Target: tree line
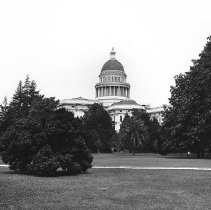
[(38, 136), (187, 122)]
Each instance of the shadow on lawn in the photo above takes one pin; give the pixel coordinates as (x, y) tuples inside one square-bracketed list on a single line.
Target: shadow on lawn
[(57, 174), (168, 156), (185, 156)]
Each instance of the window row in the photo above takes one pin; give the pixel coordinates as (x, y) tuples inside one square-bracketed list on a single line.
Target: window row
[(112, 79), (121, 117)]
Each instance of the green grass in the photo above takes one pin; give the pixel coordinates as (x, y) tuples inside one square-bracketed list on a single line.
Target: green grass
[(112, 188), (145, 160)]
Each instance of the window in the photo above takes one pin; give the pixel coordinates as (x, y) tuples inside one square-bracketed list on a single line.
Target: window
[(120, 118), (115, 79)]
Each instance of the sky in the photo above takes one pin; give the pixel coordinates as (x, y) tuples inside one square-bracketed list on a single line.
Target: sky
[(62, 45)]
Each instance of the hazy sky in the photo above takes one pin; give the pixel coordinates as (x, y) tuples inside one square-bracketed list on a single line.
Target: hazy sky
[(63, 45)]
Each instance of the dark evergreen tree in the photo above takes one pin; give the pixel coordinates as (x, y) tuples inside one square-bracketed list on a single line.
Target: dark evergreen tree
[(4, 118), (123, 132), (16, 105), (98, 129), (154, 131), (187, 122)]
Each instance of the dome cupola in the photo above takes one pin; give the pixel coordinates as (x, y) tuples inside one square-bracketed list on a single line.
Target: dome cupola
[(112, 64), (112, 86)]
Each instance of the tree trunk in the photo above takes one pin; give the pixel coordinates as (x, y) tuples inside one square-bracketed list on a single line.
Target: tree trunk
[(198, 154), (200, 150), (134, 146)]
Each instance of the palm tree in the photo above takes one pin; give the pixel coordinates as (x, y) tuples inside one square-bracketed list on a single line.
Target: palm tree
[(136, 133)]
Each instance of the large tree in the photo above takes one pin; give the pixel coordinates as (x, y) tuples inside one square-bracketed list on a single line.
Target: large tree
[(187, 123), (98, 129), (124, 143), (153, 128), (133, 133), (39, 137)]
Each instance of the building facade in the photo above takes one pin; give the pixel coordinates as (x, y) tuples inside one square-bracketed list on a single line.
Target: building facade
[(113, 92)]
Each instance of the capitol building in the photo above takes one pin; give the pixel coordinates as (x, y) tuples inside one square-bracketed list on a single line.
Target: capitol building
[(113, 92)]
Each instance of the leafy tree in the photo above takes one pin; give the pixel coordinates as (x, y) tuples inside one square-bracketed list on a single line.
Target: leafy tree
[(143, 115), (187, 122), (42, 138), (134, 133), (153, 128), (98, 129)]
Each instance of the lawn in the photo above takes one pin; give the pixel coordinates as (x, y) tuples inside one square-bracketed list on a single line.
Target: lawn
[(113, 188)]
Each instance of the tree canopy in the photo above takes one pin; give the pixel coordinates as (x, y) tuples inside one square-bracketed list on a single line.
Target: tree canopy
[(187, 122), (138, 132), (38, 137)]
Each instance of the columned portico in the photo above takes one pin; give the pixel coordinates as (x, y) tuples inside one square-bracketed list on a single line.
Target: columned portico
[(111, 90)]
